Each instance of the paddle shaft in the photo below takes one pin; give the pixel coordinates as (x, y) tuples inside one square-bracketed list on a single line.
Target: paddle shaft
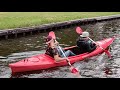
[(95, 43), (64, 55)]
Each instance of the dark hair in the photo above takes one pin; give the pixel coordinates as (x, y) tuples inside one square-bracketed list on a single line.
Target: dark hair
[(48, 38)]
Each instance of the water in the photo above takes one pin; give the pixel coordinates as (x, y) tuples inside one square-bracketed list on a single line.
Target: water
[(13, 50)]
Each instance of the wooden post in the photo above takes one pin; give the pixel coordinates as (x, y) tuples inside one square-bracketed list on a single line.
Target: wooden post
[(24, 34), (15, 35), (38, 31), (31, 33), (6, 36)]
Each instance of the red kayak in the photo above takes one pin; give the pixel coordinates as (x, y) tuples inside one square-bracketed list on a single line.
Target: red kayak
[(44, 61)]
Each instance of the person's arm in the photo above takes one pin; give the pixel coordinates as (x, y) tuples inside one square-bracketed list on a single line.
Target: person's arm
[(57, 58), (89, 47), (56, 42), (56, 55)]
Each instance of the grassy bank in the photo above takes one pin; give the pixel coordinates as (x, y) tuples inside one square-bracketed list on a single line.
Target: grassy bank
[(10, 20)]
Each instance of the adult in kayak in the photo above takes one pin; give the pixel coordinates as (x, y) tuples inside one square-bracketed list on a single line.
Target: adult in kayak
[(84, 44), (53, 51)]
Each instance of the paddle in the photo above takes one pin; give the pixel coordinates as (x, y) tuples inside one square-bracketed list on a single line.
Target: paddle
[(106, 51), (72, 69), (79, 31)]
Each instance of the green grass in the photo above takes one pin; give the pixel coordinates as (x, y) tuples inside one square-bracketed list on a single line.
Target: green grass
[(9, 20)]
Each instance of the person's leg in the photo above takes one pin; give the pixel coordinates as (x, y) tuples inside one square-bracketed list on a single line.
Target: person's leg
[(68, 53), (71, 53)]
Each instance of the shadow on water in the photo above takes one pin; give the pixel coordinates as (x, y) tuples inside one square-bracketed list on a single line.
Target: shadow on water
[(100, 66)]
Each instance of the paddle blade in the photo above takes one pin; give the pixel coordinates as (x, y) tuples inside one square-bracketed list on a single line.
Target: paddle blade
[(108, 53), (73, 70), (52, 34), (79, 30)]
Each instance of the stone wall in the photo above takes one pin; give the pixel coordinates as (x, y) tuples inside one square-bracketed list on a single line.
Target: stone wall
[(53, 26)]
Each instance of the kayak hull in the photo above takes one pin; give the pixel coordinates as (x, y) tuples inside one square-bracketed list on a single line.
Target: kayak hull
[(43, 61)]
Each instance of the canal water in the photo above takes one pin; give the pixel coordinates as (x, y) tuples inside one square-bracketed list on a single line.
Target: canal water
[(13, 50)]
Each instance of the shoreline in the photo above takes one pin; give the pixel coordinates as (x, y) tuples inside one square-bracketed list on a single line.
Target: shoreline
[(53, 26)]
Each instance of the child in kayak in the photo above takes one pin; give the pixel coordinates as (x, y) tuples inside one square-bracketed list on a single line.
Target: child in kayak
[(84, 44), (53, 51)]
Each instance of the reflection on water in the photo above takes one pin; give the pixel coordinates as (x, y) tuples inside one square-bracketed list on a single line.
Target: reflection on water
[(13, 50)]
